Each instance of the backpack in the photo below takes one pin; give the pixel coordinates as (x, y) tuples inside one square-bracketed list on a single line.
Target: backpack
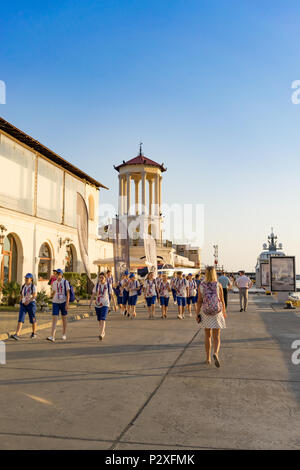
[(72, 293), (211, 302), (117, 291), (139, 290)]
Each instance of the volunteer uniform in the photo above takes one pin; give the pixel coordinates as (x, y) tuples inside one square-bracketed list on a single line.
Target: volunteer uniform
[(60, 289), (173, 287), (133, 287), (181, 291), (164, 293), (101, 292), (150, 292), (192, 298), (30, 308), (124, 284), (119, 293)]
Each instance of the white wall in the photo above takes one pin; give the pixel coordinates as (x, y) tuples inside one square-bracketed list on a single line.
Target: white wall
[(17, 176), (17, 179), (49, 191)]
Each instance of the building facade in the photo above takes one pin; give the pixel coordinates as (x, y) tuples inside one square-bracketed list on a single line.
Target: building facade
[(38, 215), (140, 202)]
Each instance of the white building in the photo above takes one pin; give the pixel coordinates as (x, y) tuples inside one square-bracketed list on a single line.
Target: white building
[(38, 193)]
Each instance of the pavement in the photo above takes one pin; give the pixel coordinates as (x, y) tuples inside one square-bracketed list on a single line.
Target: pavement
[(8, 320), (146, 386)]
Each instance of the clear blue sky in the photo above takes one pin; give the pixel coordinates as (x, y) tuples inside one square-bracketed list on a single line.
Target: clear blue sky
[(205, 84)]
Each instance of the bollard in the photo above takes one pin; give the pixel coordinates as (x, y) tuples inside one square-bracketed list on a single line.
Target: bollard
[(2, 352)]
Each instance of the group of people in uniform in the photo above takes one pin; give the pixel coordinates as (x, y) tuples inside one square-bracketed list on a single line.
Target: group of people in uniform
[(190, 293), (183, 289)]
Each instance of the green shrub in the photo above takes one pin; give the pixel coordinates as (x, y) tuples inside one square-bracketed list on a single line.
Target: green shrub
[(11, 291), (78, 281), (42, 297)]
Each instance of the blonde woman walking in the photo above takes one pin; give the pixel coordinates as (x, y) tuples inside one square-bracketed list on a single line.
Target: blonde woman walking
[(212, 317)]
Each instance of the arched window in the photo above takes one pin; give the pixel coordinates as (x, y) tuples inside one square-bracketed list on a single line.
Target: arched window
[(44, 270), (10, 259), (91, 208)]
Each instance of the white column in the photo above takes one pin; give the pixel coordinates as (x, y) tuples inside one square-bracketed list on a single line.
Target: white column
[(137, 183), (144, 192), (124, 194), (150, 195), (128, 193), (120, 195), (159, 198), (156, 194)]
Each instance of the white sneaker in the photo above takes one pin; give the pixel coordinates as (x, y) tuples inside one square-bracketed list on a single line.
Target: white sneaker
[(50, 338), (64, 337), (179, 316)]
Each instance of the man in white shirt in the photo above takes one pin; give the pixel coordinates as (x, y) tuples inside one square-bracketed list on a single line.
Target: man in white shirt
[(60, 303), (243, 283)]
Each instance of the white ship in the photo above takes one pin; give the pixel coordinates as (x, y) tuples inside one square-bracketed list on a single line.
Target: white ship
[(270, 249)]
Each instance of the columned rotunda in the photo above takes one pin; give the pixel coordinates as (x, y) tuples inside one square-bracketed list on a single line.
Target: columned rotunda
[(140, 202), (140, 182)]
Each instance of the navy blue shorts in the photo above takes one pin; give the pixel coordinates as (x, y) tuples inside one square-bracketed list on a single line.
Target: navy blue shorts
[(150, 300), (191, 300), (30, 309), (132, 299), (56, 308), (125, 296), (101, 313), (181, 301), (120, 299), (164, 301)]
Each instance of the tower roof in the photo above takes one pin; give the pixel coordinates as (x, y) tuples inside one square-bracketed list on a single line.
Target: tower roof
[(140, 159)]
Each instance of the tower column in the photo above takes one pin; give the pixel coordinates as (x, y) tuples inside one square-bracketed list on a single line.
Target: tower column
[(144, 192), (156, 212), (136, 179), (124, 194), (150, 180), (121, 195), (159, 198), (128, 192)]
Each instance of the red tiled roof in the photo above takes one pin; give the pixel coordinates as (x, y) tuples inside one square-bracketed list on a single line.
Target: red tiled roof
[(141, 160)]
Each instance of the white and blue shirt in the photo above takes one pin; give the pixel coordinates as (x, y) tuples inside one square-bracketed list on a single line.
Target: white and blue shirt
[(60, 289), (27, 292)]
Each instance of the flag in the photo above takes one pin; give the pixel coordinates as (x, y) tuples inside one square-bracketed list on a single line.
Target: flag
[(83, 238), (150, 252), (121, 247)]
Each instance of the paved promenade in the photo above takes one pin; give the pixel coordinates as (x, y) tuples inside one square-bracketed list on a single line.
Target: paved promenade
[(147, 385)]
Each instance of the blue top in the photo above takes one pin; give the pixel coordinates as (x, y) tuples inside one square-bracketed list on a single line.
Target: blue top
[(224, 281)]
